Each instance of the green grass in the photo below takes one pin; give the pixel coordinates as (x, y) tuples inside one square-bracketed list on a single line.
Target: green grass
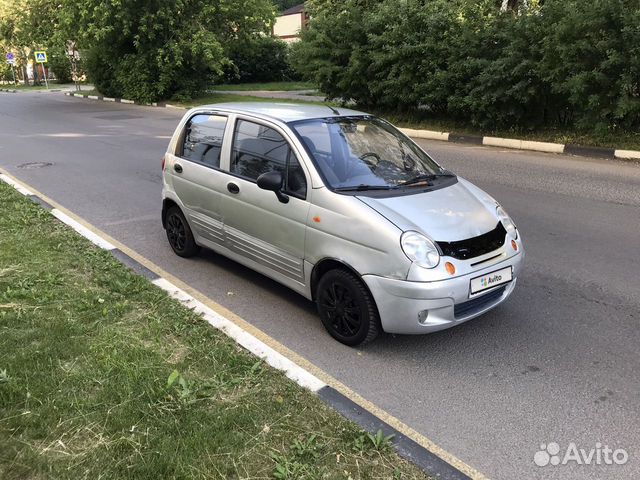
[(102, 375), (615, 139), (53, 84), (229, 97), (20, 86), (271, 86)]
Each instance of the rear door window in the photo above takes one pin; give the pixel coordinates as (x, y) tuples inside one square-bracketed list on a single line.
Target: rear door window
[(203, 139)]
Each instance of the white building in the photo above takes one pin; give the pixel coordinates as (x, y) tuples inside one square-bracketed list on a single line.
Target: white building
[(290, 22)]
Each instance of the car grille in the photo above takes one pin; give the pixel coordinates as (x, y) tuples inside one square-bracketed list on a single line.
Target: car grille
[(475, 305), (476, 246)]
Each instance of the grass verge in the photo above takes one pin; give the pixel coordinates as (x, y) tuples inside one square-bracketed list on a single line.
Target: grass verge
[(229, 97), (269, 87), (102, 375), (21, 86), (624, 140), (614, 139)]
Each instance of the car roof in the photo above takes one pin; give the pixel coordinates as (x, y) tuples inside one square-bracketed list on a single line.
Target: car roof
[(285, 112)]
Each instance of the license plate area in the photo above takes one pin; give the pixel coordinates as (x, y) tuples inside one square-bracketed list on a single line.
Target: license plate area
[(490, 280)]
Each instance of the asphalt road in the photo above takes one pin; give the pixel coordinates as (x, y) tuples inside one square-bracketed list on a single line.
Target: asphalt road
[(558, 362)]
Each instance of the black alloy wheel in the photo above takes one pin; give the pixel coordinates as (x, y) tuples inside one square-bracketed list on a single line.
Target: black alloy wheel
[(179, 234), (346, 308)]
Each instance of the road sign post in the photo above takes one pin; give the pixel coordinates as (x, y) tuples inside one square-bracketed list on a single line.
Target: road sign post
[(11, 60), (41, 58)]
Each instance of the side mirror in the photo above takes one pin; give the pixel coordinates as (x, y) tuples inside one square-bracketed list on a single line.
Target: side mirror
[(273, 182)]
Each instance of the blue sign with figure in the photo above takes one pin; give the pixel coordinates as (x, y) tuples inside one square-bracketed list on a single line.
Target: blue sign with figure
[(41, 57), (11, 59)]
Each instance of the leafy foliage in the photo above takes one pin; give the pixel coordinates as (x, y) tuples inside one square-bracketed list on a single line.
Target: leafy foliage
[(551, 63), (258, 59), (29, 25), (282, 5), (334, 52), (152, 49), (145, 49)]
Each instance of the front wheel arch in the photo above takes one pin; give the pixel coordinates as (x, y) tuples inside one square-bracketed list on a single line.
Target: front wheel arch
[(327, 264), (346, 307)]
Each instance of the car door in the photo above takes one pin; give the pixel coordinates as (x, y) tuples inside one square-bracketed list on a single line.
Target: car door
[(196, 175), (259, 227)]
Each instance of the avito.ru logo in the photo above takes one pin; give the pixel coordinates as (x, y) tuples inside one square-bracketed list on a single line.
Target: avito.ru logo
[(601, 455), (485, 282)]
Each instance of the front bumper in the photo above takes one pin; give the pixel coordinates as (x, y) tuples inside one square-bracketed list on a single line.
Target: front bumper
[(407, 307)]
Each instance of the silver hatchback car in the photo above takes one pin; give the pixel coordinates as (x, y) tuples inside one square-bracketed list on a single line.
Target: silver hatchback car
[(343, 208)]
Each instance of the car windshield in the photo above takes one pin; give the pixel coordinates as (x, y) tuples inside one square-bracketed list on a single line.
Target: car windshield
[(365, 153)]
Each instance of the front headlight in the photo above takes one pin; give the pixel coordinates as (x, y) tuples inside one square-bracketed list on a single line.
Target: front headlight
[(508, 224), (419, 249)]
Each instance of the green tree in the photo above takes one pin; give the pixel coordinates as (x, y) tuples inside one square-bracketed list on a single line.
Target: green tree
[(333, 52), (29, 25), (591, 59), (258, 59), (282, 5), (152, 49), (529, 64)]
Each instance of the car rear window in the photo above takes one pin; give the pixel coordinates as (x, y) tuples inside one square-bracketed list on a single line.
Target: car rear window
[(203, 139)]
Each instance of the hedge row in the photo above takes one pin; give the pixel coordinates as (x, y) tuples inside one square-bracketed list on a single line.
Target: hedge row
[(562, 62)]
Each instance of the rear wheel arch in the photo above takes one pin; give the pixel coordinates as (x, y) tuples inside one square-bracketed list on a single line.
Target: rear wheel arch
[(167, 203)]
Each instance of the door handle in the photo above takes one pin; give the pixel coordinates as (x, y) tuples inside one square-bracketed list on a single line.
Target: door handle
[(233, 188), (177, 167)]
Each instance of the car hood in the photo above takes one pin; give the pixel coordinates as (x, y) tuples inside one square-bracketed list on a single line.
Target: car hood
[(457, 212)]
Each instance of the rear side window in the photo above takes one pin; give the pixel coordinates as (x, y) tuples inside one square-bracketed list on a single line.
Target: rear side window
[(203, 139), (258, 149)]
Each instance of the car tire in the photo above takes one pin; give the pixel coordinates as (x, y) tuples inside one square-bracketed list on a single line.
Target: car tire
[(179, 234), (346, 308)]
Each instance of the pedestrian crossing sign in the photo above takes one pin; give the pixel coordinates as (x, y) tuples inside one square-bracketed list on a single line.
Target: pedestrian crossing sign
[(41, 57)]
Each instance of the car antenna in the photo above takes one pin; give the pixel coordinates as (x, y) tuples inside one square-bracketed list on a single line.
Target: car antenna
[(334, 110)]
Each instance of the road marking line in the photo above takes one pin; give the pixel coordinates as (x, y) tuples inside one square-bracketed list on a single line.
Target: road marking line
[(275, 345), (7, 179), (82, 230), (296, 373)]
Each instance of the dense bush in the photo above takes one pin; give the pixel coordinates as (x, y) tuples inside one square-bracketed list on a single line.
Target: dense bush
[(332, 51), (149, 50), (561, 62), (258, 59), (5, 72), (59, 64)]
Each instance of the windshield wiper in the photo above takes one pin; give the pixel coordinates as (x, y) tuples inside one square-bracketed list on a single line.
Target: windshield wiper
[(363, 188), (425, 178)]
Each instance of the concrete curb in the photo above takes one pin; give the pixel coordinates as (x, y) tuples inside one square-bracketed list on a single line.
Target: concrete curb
[(512, 143), (407, 448), (6, 90), (123, 100), (516, 144)]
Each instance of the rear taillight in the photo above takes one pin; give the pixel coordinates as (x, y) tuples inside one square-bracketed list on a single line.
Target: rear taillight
[(163, 160)]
